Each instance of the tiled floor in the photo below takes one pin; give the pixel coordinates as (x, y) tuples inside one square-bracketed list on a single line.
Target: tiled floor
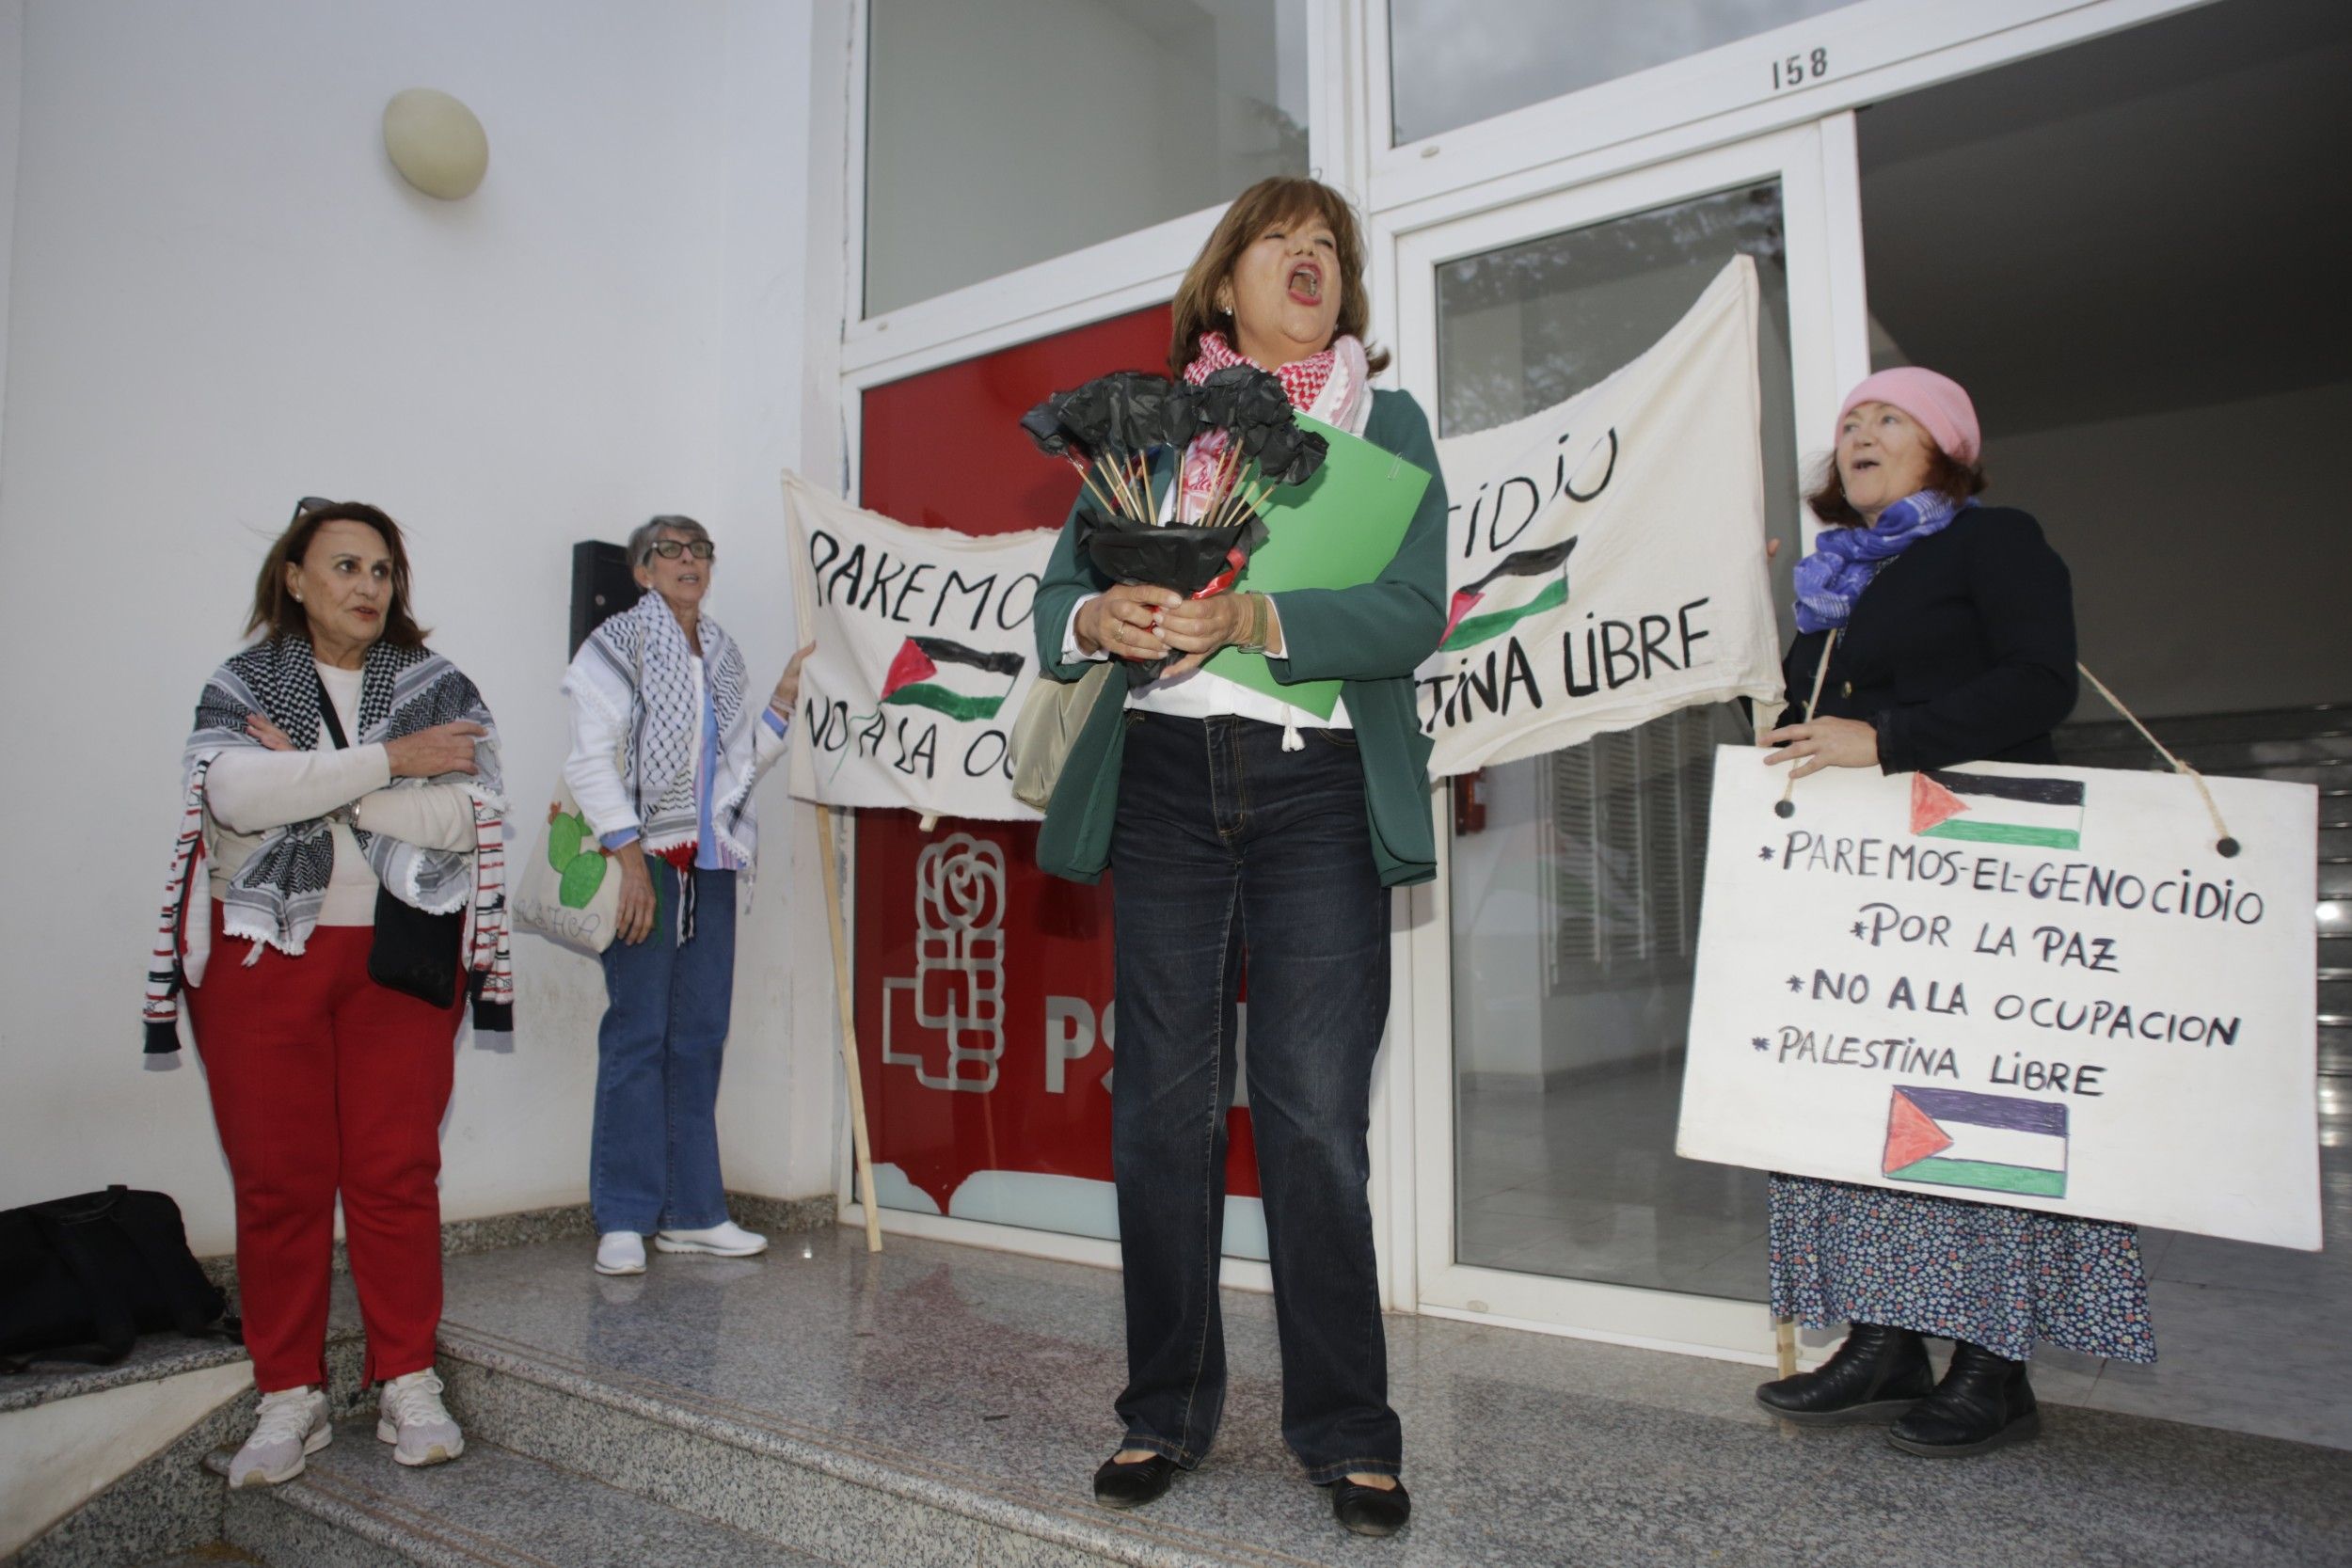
[(1582, 1182), (990, 1378)]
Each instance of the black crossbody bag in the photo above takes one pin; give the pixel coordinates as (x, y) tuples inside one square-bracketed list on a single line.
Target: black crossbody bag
[(414, 952)]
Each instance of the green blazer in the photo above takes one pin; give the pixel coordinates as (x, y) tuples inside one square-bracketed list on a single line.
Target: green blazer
[(1372, 638)]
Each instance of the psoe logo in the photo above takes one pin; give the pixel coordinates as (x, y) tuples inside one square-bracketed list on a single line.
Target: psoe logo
[(946, 1020)]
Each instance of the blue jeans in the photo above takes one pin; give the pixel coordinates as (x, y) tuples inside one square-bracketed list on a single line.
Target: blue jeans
[(652, 1161), (1225, 844)]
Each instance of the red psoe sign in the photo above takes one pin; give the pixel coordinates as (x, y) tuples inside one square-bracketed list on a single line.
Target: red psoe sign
[(985, 1023)]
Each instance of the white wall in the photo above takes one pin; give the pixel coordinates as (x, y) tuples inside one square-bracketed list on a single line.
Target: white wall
[(11, 94), (2211, 568), (223, 297)]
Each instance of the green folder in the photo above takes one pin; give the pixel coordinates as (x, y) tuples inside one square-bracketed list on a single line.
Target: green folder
[(1339, 530)]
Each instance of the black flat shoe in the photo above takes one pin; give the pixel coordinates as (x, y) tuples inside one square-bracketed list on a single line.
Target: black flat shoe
[(1984, 1402), (1118, 1486), (1877, 1375), (1369, 1510)]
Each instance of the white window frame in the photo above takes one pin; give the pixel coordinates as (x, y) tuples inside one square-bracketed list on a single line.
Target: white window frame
[(1825, 334), (1102, 281), (1878, 49), (1578, 153), (1094, 284)]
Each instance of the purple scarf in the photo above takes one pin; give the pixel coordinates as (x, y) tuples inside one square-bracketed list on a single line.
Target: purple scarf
[(1844, 560)]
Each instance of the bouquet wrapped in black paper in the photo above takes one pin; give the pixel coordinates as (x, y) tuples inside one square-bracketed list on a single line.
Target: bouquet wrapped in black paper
[(1110, 430)]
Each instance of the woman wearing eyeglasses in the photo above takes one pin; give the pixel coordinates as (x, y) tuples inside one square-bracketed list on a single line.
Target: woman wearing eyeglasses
[(665, 753)]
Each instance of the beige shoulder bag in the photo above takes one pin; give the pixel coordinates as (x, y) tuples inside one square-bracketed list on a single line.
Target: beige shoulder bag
[(1051, 720)]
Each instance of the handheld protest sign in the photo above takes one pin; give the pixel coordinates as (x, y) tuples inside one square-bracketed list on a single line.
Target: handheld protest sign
[(2040, 987)]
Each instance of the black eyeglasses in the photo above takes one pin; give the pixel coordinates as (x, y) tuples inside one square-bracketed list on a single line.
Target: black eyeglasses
[(307, 505), (670, 549)]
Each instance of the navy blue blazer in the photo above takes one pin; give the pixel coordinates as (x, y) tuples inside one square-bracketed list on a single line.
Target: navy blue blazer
[(1961, 650)]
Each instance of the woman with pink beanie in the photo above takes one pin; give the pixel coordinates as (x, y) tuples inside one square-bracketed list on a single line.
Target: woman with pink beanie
[(1949, 631)]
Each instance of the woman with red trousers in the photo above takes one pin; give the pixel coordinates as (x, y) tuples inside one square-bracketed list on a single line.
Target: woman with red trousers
[(336, 893)]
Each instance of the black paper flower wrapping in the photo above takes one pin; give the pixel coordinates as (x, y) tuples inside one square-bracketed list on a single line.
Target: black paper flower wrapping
[(1044, 426), (1181, 557), (1115, 424)]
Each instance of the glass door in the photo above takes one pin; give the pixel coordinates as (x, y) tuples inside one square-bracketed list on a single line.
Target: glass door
[(1563, 926)]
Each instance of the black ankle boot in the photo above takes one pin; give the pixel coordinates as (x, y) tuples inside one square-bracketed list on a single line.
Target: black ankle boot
[(1876, 1375), (1982, 1402)]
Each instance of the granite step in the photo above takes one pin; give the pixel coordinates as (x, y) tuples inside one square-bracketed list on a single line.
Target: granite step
[(927, 1407), (935, 1405), (352, 1507), (852, 1501), (168, 1503)]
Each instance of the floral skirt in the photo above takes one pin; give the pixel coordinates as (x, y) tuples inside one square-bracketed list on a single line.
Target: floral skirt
[(2003, 1278)]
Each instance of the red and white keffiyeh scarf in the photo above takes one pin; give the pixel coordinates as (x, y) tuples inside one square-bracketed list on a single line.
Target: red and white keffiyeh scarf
[(1334, 386)]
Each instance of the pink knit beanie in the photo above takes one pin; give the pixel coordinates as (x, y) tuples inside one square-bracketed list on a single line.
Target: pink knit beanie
[(1937, 401)]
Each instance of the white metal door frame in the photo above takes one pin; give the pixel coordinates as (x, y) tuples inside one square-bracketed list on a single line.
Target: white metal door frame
[(1814, 167), (1681, 129)]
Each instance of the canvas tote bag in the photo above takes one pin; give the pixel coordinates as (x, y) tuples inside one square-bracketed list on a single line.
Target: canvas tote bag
[(1051, 721), (569, 890)]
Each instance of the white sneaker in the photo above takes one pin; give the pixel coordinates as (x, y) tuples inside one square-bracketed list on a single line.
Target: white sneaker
[(724, 1240), (620, 1252), (290, 1424), (413, 1419)]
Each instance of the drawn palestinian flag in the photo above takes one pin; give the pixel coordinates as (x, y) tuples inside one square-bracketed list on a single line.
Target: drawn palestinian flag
[(1514, 590), (1994, 1143), (2047, 813), (950, 678)]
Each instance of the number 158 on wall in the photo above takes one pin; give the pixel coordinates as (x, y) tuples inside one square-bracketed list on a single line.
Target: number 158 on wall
[(1796, 71)]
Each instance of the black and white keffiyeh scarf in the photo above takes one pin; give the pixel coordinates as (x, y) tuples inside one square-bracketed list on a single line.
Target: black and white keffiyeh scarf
[(637, 670), (275, 896)]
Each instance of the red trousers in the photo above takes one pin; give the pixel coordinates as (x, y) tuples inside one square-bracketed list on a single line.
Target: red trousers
[(325, 1081)]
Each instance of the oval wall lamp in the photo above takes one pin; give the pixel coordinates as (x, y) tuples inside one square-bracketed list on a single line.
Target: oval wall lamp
[(436, 143)]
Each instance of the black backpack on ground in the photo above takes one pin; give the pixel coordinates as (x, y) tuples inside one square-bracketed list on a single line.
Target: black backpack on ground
[(82, 1277)]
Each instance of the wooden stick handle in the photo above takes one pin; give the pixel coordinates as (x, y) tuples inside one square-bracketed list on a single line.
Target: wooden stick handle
[(1785, 1345), (1086, 477), (848, 1033)]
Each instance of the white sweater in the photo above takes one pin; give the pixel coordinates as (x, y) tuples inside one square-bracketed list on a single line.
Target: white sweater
[(593, 773), (250, 791)]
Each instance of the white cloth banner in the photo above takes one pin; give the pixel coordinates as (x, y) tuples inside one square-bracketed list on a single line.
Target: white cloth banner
[(2037, 987), (1606, 556), (924, 652)]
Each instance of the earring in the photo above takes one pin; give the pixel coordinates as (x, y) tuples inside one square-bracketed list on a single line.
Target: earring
[(297, 598)]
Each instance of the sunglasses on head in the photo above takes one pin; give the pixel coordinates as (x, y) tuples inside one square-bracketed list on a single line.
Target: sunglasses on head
[(670, 549), (307, 505)]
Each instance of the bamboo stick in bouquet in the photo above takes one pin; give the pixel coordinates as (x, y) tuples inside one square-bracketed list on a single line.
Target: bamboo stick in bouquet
[(1086, 477), (1228, 465), (1142, 479), (1119, 420), (1135, 507), (1253, 501)]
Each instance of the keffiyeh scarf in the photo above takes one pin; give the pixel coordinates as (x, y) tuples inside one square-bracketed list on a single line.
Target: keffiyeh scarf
[(1334, 386), (637, 670), (1844, 560), (274, 897)]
